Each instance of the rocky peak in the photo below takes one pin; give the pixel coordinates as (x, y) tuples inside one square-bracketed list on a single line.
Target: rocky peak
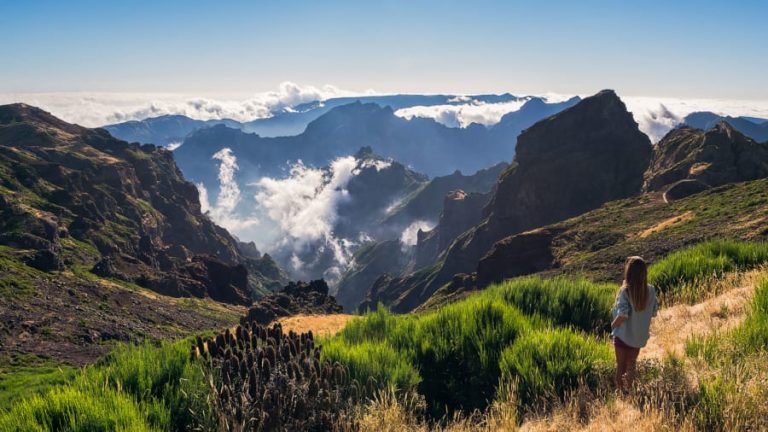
[(689, 160), (565, 165)]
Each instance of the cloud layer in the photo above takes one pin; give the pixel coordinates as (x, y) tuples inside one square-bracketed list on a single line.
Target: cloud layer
[(99, 109), (464, 114)]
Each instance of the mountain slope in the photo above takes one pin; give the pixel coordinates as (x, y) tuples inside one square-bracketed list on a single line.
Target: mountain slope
[(111, 228), (565, 165), (689, 160)]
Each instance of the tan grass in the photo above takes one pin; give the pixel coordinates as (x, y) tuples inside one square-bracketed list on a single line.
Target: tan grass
[(661, 226), (675, 324), (321, 325)]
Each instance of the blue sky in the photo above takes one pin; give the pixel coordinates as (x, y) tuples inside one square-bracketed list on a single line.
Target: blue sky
[(712, 49)]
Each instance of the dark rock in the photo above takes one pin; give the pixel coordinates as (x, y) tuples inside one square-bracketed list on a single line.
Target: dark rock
[(45, 260), (517, 255), (295, 298), (24, 240), (565, 165), (713, 157), (684, 188)]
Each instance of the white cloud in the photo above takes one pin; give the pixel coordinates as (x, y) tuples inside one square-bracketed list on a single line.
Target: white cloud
[(173, 146), (461, 114), (657, 116), (409, 236), (304, 205), (223, 212), (99, 109)]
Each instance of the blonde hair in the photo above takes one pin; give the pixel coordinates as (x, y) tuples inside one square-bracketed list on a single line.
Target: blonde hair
[(636, 282)]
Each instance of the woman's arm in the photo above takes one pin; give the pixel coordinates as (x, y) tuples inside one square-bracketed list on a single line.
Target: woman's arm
[(618, 321)]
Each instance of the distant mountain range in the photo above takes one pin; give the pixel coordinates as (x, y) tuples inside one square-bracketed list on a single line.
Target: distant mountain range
[(755, 128), (169, 129)]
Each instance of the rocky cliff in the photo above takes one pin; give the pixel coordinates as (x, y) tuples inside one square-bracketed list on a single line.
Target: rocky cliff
[(565, 165), (689, 160)]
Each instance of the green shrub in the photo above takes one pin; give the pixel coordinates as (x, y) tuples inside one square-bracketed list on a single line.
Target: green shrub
[(553, 361), (458, 349), (708, 260), (141, 387), (752, 335), (455, 349), (376, 360), (72, 409), (576, 303)]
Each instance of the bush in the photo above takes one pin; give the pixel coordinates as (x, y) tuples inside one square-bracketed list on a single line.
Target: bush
[(551, 362), (142, 387), (752, 335), (455, 349), (576, 303), (376, 360), (73, 409), (711, 259)]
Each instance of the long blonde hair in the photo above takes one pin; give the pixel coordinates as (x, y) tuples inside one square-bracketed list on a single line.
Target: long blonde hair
[(636, 282)]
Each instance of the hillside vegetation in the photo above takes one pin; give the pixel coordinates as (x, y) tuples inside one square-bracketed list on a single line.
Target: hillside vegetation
[(517, 351)]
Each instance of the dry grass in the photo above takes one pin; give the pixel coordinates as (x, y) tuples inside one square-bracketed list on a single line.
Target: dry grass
[(661, 226), (669, 396), (675, 324), (320, 325)]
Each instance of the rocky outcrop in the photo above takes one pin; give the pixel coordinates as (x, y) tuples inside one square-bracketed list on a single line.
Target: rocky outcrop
[(368, 263), (78, 196), (688, 160), (296, 298), (520, 254), (461, 211), (565, 165)]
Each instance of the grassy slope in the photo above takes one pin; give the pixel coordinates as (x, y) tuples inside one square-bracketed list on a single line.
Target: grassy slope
[(524, 329)]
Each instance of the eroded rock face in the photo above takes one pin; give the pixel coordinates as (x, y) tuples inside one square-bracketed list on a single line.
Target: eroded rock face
[(461, 211), (126, 207), (520, 254), (295, 298), (688, 160), (565, 165)]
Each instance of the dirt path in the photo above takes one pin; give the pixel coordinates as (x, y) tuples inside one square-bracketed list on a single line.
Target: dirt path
[(675, 324)]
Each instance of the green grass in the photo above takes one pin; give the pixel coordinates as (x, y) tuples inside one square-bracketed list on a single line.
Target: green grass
[(16, 278), (139, 388), (20, 382), (548, 362), (577, 303), (696, 265), (457, 348)]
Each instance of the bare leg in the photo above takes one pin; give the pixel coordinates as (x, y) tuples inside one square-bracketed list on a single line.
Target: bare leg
[(631, 367), (621, 367)]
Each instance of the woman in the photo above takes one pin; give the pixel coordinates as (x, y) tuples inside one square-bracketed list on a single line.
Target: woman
[(635, 305)]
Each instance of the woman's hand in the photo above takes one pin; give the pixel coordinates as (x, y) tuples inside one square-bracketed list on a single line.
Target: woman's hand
[(618, 321)]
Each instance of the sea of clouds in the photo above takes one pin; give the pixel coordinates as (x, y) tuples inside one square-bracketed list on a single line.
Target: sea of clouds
[(655, 115), (100, 109)]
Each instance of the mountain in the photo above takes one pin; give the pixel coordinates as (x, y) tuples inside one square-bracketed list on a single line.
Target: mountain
[(84, 213), (427, 203), (731, 203), (168, 129), (391, 251), (565, 165), (689, 160), (533, 110), (755, 128), (164, 130)]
